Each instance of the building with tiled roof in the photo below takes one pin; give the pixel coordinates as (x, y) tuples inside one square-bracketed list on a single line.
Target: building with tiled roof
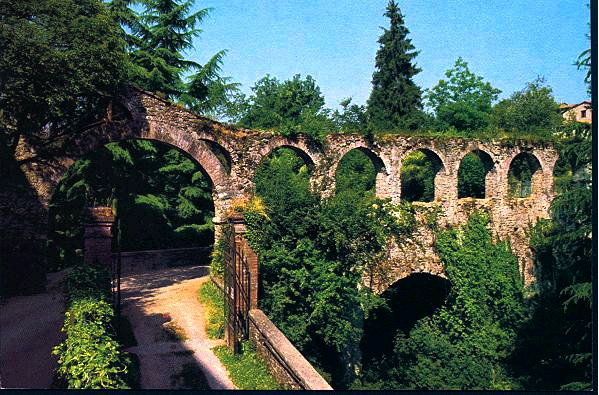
[(581, 112)]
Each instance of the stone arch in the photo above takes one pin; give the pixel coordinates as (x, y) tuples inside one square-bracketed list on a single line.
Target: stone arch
[(407, 300), (200, 150), (530, 186), (222, 154), (381, 168), (212, 205), (308, 151), (441, 177), (490, 171)]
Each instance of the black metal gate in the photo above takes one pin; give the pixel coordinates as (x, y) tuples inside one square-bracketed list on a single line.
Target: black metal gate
[(237, 290)]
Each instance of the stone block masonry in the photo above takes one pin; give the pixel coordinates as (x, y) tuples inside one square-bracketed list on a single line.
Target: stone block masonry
[(285, 362), (230, 157)]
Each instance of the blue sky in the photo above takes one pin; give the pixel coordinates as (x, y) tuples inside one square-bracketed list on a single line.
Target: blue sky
[(508, 43)]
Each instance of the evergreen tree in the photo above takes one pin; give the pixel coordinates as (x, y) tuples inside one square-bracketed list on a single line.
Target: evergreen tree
[(395, 99), (157, 39)]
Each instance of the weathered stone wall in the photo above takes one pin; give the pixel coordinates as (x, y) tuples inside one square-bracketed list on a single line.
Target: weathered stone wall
[(285, 362), (230, 156)]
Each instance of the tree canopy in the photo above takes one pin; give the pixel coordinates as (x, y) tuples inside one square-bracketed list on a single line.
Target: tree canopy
[(532, 111), (157, 40), (395, 99), (463, 100), (61, 63), (293, 106)]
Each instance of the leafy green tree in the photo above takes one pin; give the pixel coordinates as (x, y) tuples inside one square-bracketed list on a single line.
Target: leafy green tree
[(356, 173), (395, 100), (291, 107), (466, 343), (532, 111), (418, 178), (313, 255), (61, 64), (471, 177), (463, 101), (352, 119)]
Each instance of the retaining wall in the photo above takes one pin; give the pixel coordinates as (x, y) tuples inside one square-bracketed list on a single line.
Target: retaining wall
[(142, 261), (286, 363)]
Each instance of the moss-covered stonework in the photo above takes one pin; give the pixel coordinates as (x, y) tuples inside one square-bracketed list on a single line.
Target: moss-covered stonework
[(231, 155)]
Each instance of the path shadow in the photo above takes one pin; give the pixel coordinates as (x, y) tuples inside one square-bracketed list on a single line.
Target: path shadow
[(165, 360)]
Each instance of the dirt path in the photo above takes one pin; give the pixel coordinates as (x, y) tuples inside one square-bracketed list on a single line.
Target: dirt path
[(152, 299), (29, 329)]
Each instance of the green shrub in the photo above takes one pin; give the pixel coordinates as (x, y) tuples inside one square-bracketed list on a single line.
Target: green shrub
[(87, 281), (90, 356), (217, 266)]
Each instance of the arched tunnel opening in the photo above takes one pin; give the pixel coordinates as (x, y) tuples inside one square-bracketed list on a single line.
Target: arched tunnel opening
[(162, 195), (406, 301)]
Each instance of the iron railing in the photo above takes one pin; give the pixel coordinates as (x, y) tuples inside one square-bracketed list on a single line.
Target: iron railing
[(237, 290)]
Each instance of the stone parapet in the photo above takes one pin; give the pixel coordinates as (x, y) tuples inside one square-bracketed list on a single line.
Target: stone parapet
[(285, 362)]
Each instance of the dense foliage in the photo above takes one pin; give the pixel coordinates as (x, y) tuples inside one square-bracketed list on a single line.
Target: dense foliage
[(162, 198), (418, 173), (465, 344), (62, 62), (463, 101), (559, 356), (531, 112), (395, 100), (291, 107), (90, 357), (313, 255)]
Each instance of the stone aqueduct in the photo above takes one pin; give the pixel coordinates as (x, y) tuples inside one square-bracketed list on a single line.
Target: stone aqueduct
[(230, 156)]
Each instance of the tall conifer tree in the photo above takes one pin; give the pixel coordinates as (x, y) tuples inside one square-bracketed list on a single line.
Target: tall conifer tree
[(395, 98)]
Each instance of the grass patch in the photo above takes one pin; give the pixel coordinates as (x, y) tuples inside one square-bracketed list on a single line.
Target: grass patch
[(247, 370), (213, 300)]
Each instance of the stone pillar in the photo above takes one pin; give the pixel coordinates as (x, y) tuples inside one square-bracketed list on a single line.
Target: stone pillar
[(98, 236), (237, 223)]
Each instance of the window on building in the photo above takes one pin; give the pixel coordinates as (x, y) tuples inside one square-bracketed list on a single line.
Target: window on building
[(583, 114)]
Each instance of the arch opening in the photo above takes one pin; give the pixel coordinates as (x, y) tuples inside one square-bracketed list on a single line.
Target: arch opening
[(358, 171), (472, 174), (162, 197), (418, 172), (282, 179), (523, 171), (408, 300)]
